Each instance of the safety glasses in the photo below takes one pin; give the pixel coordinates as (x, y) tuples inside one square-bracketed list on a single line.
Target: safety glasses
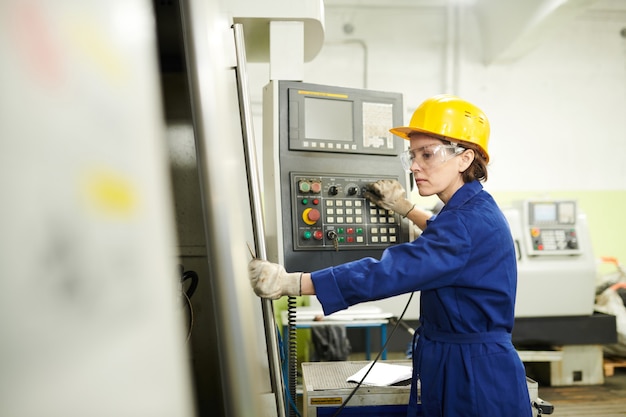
[(429, 157)]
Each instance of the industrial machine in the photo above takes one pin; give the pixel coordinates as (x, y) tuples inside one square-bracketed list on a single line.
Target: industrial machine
[(556, 331), (556, 266)]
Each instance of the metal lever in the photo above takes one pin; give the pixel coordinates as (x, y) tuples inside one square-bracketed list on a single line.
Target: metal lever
[(254, 189)]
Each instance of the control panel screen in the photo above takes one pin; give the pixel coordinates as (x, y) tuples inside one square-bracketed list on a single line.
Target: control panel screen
[(328, 120), (552, 213), (342, 120), (544, 213), (330, 212)]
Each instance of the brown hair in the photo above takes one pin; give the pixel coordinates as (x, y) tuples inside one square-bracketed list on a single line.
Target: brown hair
[(478, 169)]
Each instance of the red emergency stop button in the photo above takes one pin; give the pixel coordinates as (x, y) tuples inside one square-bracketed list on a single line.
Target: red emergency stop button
[(311, 216)]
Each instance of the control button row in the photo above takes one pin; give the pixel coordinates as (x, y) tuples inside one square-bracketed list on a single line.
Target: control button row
[(343, 203), (340, 220), (388, 220), (383, 230), (329, 145), (342, 211), (305, 186), (384, 239)]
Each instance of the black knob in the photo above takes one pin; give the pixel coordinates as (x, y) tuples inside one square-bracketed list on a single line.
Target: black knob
[(332, 190), (353, 190)]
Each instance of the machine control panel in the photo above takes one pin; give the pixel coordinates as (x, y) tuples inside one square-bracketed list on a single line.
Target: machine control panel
[(330, 212), (551, 228)]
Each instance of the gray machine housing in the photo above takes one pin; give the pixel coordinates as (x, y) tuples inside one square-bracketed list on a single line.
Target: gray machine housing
[(555, 262), (321, 146)]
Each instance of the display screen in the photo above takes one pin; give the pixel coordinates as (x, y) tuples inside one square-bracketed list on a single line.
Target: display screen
[(327, 119), (544, 213)]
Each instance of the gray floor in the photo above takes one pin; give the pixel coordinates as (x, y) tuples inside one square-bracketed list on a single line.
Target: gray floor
[(606, 400)]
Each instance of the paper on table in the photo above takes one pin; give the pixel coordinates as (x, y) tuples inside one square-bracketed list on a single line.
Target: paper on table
[(382, 374)]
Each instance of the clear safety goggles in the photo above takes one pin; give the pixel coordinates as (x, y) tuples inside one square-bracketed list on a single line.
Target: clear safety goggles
[(430, 156)]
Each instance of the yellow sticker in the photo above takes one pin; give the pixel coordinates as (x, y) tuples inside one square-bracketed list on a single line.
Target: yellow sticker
[(322, 94), (326, 401), (110, 192)]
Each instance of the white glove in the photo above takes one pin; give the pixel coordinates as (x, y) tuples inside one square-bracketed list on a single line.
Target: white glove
[(270, 280), (389, 195)]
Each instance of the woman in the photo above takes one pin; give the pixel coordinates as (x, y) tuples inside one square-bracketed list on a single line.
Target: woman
[(463, 263)]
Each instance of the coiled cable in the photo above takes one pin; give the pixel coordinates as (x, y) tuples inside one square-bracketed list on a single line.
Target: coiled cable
[(293, 352)]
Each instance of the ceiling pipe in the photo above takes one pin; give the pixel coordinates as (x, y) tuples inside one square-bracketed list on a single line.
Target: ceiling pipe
[(451, 58)]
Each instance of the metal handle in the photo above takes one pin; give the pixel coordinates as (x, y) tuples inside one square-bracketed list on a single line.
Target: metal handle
[(254, 189)]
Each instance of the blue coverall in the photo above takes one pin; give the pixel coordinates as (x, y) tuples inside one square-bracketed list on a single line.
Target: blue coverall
[(465, 267)]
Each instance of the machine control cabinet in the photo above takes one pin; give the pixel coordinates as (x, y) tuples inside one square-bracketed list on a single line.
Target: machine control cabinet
[(556, 268), (322, 146)]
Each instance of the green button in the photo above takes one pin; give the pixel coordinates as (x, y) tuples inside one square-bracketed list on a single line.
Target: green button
[(340, 230), (305, 187), (305, 201), (359, 231), (307, 235), (341, 239)]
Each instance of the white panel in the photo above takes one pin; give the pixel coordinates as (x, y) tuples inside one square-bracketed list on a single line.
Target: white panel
[(286, 50), (255, 16), (91, 323)]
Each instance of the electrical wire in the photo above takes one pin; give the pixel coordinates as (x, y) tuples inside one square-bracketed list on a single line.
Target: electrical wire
[(187, 294), (191, 317), (358, 385), (281, 349)]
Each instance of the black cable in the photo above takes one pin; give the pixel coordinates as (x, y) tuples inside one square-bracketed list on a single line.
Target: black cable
[(187, 294), (191, 318), (292, 357), (343, 405)]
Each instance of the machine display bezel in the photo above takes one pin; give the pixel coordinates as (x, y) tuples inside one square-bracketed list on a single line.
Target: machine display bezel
[(342, 120), (546, 213)]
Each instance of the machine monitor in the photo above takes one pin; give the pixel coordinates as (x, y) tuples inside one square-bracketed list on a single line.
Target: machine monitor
[(328, 119), (322, 146)]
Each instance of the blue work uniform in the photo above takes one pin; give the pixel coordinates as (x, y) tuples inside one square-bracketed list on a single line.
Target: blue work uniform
[(464, 264)]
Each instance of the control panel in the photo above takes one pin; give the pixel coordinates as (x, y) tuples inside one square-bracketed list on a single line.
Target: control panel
[(331, 212), (551, 228), (322, 146), (553, 239)]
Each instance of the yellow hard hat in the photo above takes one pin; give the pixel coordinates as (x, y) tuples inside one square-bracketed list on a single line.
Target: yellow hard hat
[(452, 117)]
